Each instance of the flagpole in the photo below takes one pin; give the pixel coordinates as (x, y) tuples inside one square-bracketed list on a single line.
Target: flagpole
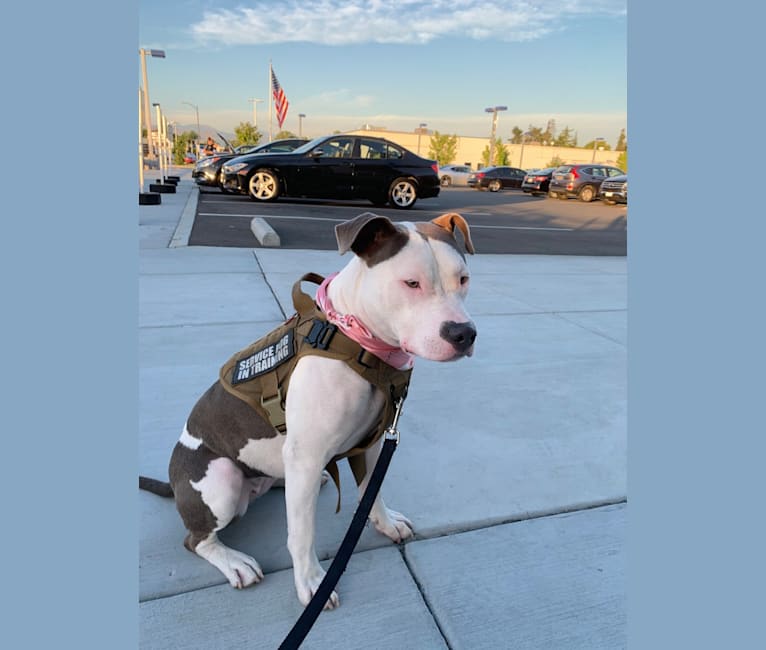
[(271, 102)]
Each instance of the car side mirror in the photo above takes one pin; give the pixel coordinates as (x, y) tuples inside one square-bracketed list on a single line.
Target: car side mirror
[(316, 153)]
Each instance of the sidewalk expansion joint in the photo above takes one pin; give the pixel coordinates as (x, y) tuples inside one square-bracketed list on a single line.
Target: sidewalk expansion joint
[(268, 284), (422, 592)]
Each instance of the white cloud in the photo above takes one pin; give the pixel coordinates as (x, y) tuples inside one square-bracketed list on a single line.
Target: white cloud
[(349, 22)]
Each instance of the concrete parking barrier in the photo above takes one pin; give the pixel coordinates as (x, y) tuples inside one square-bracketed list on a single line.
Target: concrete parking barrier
[(264, 233)]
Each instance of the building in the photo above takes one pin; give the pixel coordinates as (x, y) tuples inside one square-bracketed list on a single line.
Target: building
[(469, 150)]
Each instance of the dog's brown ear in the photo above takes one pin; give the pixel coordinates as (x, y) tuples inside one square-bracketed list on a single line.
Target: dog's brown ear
[(371, 237), (451, 220)]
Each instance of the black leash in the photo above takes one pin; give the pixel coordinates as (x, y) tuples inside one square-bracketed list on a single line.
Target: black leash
[(309, 616)]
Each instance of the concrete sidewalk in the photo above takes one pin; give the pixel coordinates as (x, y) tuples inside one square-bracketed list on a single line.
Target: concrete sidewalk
[(515, 483)]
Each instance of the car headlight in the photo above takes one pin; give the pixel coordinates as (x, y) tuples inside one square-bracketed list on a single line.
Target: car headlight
[(233, 169)]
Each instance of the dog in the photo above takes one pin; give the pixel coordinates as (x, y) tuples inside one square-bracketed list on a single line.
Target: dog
[(405, 286)]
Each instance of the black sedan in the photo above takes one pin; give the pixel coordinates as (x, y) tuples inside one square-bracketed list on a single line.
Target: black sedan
[(337, 167), (207, 171), (537, 182), (496, 178)]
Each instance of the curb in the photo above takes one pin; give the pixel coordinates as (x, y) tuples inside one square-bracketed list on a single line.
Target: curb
[(264, 233), (183, 229)]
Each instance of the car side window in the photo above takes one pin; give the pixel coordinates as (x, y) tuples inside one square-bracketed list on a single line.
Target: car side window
[(392, 152), (599, 172), (371, 150), (613, 171), (339, 148)]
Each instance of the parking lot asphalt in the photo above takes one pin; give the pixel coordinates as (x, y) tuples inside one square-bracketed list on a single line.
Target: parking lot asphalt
[(516, 485), (508, 221)]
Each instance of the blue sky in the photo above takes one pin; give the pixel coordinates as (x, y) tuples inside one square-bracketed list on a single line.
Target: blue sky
[(392, 63)]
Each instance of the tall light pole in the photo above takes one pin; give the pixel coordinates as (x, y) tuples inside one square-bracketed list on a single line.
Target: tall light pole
[(160, 54), (595, 144), (300, 124), (524, 137), (196, 110), (255, 102), (421, 126), (494, 110)]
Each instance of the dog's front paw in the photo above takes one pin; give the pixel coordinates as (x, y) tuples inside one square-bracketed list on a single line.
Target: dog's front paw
[(392, 524), (307, 587), (240, 570)]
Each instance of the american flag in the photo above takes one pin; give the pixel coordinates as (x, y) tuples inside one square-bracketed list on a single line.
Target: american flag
[(280, 99)]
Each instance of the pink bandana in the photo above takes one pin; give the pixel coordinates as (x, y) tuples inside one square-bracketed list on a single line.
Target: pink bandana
[(356, 331)]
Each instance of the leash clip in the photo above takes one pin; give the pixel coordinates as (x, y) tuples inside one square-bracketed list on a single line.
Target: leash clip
[(392, 433)]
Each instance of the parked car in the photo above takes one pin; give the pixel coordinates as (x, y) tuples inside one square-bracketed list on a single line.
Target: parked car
[(582, 181), (537, 181), (208, 170), (337, 167), (495, 178), (189, 158), (614, 190), (454, 175)]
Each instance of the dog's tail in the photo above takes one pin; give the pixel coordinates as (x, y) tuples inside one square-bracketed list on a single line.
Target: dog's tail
[(160, 488)]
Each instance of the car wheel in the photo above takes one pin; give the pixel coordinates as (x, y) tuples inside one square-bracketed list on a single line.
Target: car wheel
[(446, 181), (403, 193), (494, 185), (263, 185), (552, 195), (586, 194)]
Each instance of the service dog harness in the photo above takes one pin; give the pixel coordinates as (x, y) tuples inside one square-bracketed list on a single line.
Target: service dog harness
[(260, 374)]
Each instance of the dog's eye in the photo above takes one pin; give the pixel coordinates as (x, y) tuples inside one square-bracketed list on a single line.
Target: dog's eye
[(412, 284), (464, 279)]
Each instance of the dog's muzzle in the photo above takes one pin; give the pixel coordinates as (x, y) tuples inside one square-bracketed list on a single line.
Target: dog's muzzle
[(460, 335)]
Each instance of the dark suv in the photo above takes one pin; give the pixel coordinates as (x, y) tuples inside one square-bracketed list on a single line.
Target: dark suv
[(582, 181)]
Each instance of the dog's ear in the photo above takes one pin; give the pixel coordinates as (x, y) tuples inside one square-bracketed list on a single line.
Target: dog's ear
[(451, 220), (371, 237)]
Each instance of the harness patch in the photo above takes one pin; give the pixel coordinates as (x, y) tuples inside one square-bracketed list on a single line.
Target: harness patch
[(264, 359)]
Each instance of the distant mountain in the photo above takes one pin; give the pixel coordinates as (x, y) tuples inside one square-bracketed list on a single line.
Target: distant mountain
[(205, 131)]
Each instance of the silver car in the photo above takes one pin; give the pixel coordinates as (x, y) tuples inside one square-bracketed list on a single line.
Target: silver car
[(454, 175)]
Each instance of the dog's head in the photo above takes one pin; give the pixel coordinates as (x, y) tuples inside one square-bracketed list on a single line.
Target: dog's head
[(408, 282)]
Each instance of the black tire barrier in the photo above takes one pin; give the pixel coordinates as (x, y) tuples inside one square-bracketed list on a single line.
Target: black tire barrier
[(168, 181), (149, 198), (177, 179), (162, 188)]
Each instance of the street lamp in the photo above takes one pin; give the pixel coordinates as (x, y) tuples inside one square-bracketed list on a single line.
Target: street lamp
[(494, 110), (524, 137), (595, 144), (196, 110), (300, 124), (421, 126), (160, 54), (255, 102)]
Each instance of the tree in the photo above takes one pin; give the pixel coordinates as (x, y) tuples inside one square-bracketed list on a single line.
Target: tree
[(181, 145), (246, 133), (501, 154), (622, 144), (554, 162), (442, 148), (518, 134), (566, 139), (285, 134), (601, 143), (622, 160)]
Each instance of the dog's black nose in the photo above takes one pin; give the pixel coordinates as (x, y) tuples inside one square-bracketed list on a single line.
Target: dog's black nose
[(461, 335)]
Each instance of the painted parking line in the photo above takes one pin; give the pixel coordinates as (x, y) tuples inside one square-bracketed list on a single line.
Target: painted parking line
[(299, 218)]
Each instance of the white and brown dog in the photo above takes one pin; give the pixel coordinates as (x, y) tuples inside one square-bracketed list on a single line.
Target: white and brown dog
[(406, 284)]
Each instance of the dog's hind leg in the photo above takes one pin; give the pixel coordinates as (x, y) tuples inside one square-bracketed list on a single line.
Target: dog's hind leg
[(210, 491)]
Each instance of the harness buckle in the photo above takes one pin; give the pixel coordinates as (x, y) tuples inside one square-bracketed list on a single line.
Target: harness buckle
[(274, 409), (320, 334)]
